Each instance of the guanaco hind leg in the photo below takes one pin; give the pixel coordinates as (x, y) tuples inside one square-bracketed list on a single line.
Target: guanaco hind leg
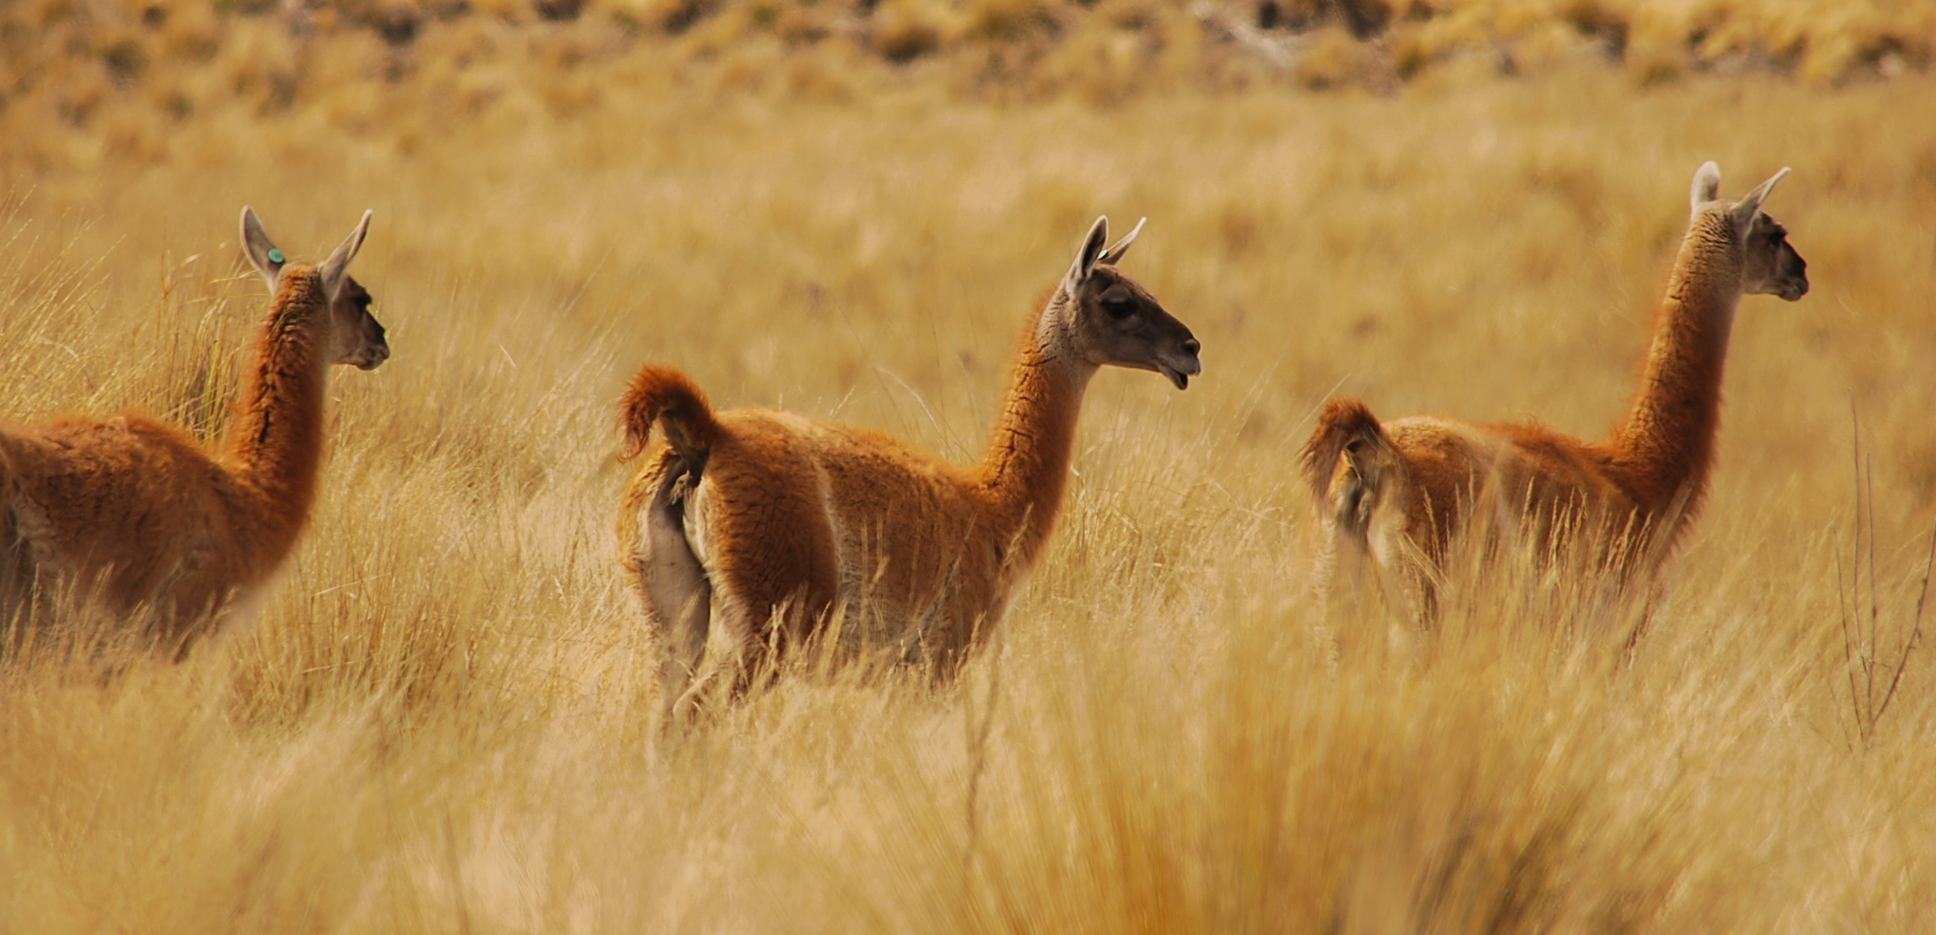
[(678, 597)]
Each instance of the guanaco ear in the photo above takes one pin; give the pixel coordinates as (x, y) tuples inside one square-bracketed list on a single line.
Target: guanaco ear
[(1744, 210), (262, 253), (1114, 254), (334, 270), (1087, 258), (1707, 186)]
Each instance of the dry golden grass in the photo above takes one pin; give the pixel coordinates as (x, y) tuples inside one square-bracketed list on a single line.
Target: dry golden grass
[(440, 722), (119, 77)]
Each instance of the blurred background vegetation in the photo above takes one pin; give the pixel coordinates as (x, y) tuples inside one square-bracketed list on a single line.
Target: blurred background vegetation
[(119, 75)]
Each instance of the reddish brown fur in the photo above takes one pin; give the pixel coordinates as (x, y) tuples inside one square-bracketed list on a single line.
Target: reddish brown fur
[(155, 519), (1636, 492), (1343, 425), (777, 525), (662, 393)]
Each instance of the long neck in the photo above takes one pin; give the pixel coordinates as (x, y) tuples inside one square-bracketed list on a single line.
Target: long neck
[(1665, 448), (275, 439), (1026, 466)]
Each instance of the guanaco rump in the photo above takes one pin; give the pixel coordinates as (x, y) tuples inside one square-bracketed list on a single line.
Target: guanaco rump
[(167, 533), (767, 528), (1399, 493)]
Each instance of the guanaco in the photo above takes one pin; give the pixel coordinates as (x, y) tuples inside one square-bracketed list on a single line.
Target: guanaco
[(768, 525), (1400, 493), (160, 526)]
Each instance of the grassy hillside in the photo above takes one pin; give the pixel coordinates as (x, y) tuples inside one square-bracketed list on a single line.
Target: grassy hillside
[(84, 78), (439, 722)]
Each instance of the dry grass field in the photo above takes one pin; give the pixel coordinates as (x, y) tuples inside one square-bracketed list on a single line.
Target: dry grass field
[(440, 722)]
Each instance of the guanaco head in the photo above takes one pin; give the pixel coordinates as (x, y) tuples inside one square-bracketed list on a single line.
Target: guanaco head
[(1112, 320), (352, 334), (1770, 266)]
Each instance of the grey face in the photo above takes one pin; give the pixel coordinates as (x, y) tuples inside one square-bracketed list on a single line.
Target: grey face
[(1772, 266), (359, 338), (1122, 324), (355, 337)]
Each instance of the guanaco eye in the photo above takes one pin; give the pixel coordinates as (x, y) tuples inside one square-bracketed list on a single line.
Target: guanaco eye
[(1118, 307)]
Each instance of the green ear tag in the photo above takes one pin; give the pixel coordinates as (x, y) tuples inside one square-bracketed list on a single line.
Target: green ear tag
[(275, 256)]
